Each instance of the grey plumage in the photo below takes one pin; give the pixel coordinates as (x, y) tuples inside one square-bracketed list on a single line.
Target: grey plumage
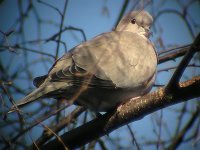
[(104, 71)]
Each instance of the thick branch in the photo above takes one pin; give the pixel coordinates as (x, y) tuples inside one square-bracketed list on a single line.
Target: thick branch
[(131, 111)]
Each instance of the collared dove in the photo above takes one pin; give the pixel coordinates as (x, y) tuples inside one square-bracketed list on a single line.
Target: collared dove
[(104, 71)]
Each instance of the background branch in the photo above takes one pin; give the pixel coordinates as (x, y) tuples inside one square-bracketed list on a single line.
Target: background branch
[(173, 83)]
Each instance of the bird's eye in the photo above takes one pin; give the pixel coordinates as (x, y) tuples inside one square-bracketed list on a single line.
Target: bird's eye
[(133, 21)]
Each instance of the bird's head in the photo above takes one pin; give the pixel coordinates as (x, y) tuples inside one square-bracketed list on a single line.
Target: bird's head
[(136, 22)]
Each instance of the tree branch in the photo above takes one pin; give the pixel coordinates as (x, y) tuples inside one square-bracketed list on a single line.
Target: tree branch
[(172, 56), (130, 111), (173, 83)]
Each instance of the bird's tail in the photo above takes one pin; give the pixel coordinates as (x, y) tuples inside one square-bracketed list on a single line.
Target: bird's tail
[(40, 92)]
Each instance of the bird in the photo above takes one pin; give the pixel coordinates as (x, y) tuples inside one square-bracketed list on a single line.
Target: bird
[(102, 73)]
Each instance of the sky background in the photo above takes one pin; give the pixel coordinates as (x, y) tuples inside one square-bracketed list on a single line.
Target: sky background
[(94, 18)]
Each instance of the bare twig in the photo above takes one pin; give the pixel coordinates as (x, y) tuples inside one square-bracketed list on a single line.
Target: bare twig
[(180, 136), (134, 141), (174, 67), (27, 49), (122, 12), (172, 56), (172, 49), (63, 123), (53, 112), (61, 26)]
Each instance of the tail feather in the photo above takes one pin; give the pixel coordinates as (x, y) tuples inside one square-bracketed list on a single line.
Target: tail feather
[(40, 92)]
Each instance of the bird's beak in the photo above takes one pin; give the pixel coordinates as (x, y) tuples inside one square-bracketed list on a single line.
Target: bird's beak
[(147, 30)]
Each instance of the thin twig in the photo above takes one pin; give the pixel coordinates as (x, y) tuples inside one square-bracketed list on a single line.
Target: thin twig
[(58, 127), (172, 49), (61, 26), (179, 137), (134, 141)]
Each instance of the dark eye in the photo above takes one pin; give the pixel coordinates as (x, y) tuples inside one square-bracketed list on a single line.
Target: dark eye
[(133, 21)]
